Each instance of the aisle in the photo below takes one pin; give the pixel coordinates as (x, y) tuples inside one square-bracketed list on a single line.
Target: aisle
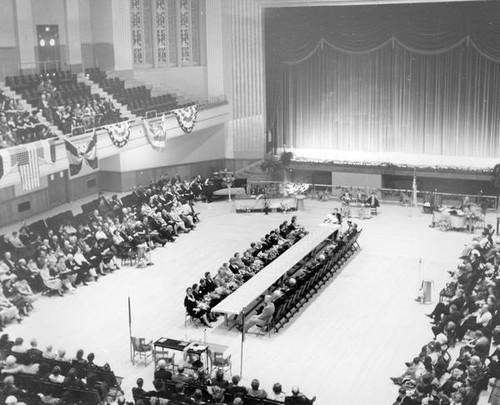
[(342, 347)]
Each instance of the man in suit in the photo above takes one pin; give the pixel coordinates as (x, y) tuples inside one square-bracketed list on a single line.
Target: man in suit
[(297, 398), (235, 389), (162, 373), (180, 377), (372, 201), (34, 351), (265, 317)]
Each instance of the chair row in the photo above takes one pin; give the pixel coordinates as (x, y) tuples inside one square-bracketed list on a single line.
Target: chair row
[(37, 385), (312, 284), (33, 80), (189, 389), (103, 374)]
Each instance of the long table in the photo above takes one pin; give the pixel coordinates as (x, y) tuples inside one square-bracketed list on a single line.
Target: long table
[(236, 302)]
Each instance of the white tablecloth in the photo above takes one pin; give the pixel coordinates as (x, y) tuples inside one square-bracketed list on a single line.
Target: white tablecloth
[(258, 204), (234, 191), (258, 284)]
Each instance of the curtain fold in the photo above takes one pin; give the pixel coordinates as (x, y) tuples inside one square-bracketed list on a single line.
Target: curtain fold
[(392, 100), (392, 78)]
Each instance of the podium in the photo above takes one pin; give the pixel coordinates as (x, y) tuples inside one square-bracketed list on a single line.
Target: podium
[(300, 201), (427, 291)]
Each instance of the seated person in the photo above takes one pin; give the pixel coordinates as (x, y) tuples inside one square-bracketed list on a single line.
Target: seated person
[(138, 392), (56, 376), (255, 391), (236, 389), (161, 372), (278, 394), (265, 317), (194, 309), (8, 311), (372, 201), (18, 346), (474, 321), (180, 377), (197, 397), (297, 398), (11, 366), (34, 350), (219, 380), (48, 353)]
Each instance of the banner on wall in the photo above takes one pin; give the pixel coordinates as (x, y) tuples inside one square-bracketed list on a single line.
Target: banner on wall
[(119, 133), (48, 147), (29, 168), (27, 159), (82, 153), (156, 133), (186, 117)]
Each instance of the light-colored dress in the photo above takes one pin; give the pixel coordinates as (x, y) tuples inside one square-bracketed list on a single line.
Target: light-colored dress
[(50, 282)]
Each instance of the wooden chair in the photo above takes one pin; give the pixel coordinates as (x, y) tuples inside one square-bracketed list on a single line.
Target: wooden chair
[(188, 319), (222, 363), (141, 349)]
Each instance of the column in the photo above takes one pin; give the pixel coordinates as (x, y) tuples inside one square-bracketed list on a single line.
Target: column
[(248, 80), (25, 34), (122, 34), (73, 35), (215, 61)]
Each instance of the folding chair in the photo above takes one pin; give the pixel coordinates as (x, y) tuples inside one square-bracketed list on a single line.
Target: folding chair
[(141, 349)]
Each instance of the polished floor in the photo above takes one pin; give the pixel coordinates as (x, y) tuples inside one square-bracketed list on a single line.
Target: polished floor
[(342, 347)]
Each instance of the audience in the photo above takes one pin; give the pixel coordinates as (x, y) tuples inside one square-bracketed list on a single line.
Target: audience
[(18, 126), (53, 381), (467, 320), (255, 391), (59, 256), (218, 390)]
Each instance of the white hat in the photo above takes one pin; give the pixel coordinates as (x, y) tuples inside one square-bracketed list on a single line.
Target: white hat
[(10, 360), (11, 400)]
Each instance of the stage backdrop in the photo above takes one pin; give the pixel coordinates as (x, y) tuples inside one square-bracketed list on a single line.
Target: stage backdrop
[(390, 78)]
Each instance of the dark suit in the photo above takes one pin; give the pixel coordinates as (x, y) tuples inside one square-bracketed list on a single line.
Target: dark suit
[(34, 352), (297, 400), (162, 374)]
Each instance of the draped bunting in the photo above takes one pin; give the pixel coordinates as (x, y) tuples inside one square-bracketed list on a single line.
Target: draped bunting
[(84, 152), (385, 78), (119, 133), (186, 117), (156, 133)]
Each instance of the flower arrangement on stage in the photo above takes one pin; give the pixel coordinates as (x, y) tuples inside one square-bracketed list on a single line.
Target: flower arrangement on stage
[(228, 179), (444, 224), (294, 188)]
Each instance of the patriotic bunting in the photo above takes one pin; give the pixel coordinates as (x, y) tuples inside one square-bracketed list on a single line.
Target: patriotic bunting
[(156, 133), (119, 133), (48, 147), (77, 155), (186, 117)]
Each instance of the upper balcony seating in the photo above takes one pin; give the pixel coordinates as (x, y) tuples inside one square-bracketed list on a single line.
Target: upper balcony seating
[(138, 99), (64, 101)]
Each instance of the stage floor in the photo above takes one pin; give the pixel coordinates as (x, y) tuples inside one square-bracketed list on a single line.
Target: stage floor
[(342, 347)]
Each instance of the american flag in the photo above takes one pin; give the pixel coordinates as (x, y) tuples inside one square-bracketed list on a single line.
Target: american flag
[(27, 160)]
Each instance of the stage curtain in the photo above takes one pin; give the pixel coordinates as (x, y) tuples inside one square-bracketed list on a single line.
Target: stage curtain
[(410, 78)]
